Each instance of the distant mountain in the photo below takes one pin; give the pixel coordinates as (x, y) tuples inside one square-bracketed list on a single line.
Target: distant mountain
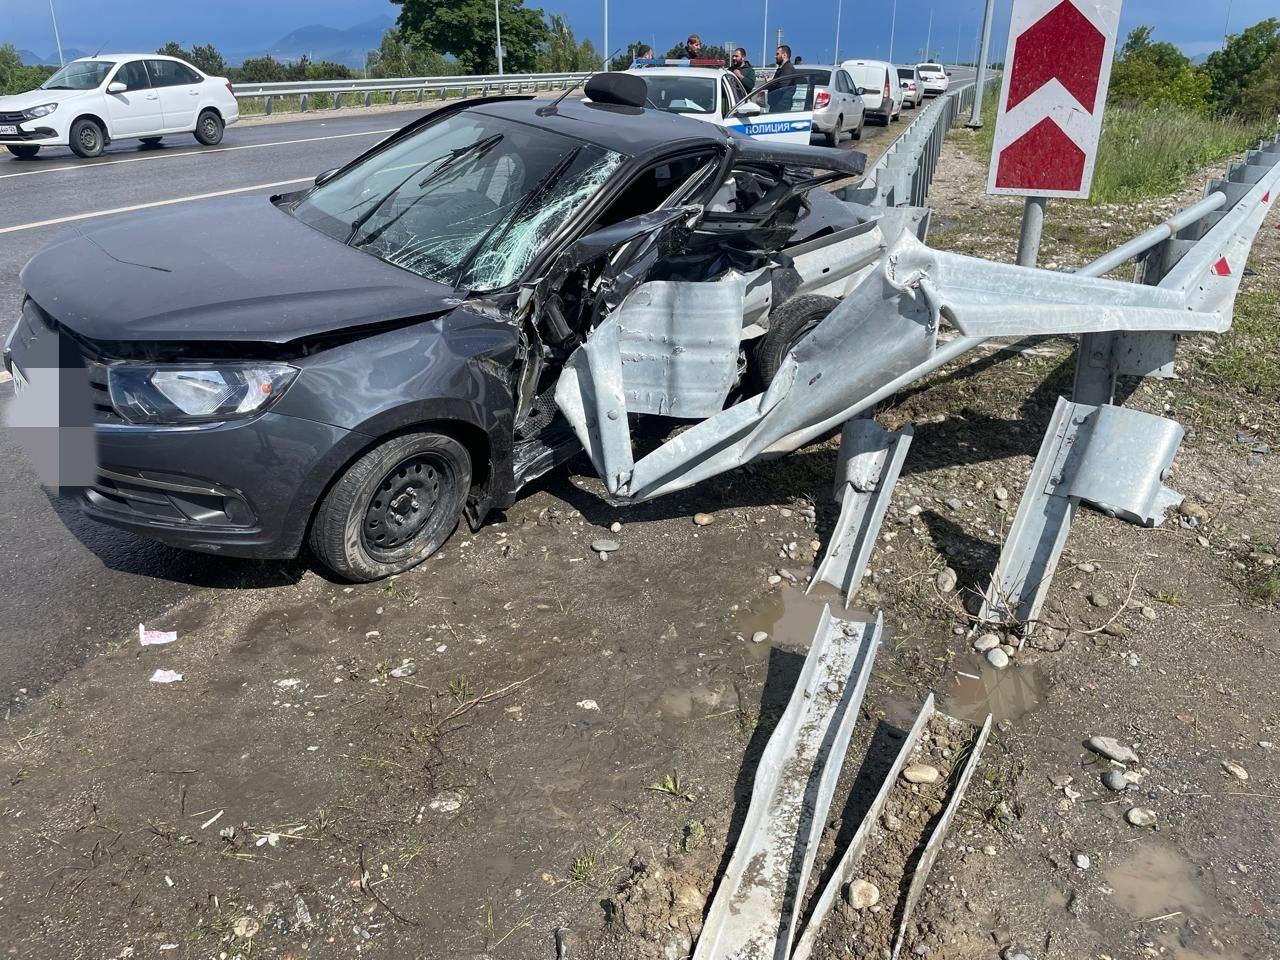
[(35, 60), (330, 43), (30, 59)]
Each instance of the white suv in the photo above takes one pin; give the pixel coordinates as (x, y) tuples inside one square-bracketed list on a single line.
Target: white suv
[(90, 102)]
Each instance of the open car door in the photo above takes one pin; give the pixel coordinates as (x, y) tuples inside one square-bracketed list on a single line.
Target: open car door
[(780, 110)]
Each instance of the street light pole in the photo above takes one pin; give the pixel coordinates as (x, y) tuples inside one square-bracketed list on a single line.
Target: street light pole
[(893, 24), (975, 118), (764, 38), (928, 44), (56, 35), (839, 12), (497, 20), (606, 34)]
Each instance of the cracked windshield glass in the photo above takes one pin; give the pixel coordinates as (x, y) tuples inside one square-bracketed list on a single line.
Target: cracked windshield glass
[(467, 202)]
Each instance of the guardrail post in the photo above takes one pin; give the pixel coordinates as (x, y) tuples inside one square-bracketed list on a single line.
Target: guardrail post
[(395, 97), (266, 106), (368, 98), (302, 103), (421, 93), (337, 101)]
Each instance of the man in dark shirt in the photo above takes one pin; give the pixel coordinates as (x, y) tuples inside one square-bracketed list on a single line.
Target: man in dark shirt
[(742, 69), (692, 48), (783, 59)]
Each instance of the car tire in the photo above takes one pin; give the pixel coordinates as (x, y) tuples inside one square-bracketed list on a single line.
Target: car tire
[(150, 141), (23, 151), (857, 131), (209, 127), (87, 138), (833, 136), (393, 507), (788, 325)]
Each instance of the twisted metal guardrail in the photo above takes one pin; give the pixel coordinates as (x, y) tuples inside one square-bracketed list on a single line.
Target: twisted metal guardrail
[(415, 87)]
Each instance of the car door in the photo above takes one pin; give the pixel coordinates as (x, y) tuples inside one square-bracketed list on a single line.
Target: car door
[(780, 110), (134, 111), (179, 89), (844, 95)]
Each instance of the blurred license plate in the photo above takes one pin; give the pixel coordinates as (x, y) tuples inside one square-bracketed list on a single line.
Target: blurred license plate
[(8, 130)]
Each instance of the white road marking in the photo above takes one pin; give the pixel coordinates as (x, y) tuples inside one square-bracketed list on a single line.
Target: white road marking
[(194, 153), (154, 203)]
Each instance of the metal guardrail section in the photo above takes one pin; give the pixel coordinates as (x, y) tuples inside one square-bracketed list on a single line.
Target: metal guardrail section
[(419, 87)]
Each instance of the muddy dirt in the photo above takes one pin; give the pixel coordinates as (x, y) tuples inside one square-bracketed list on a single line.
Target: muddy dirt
[(565, 723)]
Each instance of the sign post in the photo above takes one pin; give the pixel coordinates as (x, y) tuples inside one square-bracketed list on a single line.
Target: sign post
[(1049, 117)]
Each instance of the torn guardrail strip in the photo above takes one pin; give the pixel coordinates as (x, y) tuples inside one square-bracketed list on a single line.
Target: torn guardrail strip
[(934, 845), (870, 462), (753, 913)]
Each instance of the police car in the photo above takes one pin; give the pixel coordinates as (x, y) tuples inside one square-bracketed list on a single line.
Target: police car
[(780, 110)]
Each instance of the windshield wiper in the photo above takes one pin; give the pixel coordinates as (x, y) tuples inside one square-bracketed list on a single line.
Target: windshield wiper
[(539, 188), (450, 161)]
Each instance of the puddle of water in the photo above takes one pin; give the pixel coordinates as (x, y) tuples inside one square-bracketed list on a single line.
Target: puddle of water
[(682, 703), (1005, 694), (790, 617), (1156, 880)]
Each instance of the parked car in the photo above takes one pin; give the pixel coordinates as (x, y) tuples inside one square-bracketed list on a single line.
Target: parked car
[(781, 112), (912, 86), (837, 108), (877, 84), (354, 365), (95, 100), (935, 78)]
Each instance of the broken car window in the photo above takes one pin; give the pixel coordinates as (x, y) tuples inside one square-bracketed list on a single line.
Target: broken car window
[(467, 202)]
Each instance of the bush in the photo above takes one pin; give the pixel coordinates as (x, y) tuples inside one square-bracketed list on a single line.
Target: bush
[(15, 76)]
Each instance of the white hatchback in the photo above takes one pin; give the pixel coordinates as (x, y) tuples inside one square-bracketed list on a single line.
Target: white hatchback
[(935, 78), (90, 102)]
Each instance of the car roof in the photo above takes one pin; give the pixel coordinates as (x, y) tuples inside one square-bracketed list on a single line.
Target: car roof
[(118, 57), (936, 66), (627, 130), (868, 63), (712, 72)]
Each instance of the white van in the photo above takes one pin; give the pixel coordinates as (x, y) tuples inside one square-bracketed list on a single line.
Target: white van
[(878, 86)]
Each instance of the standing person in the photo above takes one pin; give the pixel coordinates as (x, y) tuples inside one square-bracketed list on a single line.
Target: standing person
[(742, 69), (642, 53), (692, 48), (782, 57)]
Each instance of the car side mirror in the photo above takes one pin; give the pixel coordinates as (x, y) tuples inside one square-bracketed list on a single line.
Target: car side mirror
[(748, 108), (862, 91), (115, 86), (326, 175), (948, 73)]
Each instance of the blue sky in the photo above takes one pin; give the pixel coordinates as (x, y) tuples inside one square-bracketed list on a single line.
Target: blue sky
[(809, 26)]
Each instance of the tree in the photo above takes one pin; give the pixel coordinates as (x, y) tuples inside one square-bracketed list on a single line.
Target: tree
[(15, 76), (264, 69), (1263, 102), (204, 57), (1232, 68), (563, 53), (465, 29), (1150, 73), (403, 54)]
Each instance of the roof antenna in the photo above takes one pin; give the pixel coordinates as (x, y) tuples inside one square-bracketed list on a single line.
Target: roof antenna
[(551, 107)]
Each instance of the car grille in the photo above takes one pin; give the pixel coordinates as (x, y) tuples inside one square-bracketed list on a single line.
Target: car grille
[(31, 339), (12, 117)]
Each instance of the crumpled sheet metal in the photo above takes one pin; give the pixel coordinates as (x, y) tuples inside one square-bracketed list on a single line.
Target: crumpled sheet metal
[(1112, 457), (753, 913), (846, 868), (870, 462)]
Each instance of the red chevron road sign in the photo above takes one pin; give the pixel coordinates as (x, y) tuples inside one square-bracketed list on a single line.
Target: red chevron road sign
[(1057, 68)]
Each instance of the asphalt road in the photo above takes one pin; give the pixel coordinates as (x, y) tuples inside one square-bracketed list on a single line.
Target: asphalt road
[(70, 585)]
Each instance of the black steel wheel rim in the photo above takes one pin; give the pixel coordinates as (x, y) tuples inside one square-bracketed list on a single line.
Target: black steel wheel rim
[(403, 503), (210, 127), (89, 137)]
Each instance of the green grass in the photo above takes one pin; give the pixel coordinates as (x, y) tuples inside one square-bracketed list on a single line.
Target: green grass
[(1247, 356), (1150, 152), (254, 106)]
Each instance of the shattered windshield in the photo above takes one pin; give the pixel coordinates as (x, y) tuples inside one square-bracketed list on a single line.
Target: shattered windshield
[(467, 202)]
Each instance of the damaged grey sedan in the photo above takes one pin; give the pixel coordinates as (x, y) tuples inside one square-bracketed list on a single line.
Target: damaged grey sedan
[(357, 366)]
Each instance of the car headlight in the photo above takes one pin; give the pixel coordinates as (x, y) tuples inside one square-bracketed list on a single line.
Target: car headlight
[(190, 393), (35, 113)]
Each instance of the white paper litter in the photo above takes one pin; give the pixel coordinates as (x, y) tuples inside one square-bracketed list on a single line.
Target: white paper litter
[(588, 705), (167, 676), (155, 638)]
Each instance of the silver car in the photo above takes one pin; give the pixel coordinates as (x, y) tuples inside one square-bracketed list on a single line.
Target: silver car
[(837, 108)]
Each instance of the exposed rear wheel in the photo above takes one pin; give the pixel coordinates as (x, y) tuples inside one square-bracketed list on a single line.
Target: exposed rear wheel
[(788, 325), (209, 128), (393, 507), (87, 138), (22, 151)]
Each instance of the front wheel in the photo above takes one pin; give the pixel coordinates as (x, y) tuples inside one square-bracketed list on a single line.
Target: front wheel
[(23, 151), (209, 128), (788, 325), (393, 507), (87, 138)]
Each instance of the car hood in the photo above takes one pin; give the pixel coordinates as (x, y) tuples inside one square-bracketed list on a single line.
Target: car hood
[(236, 269), (33, 98)]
